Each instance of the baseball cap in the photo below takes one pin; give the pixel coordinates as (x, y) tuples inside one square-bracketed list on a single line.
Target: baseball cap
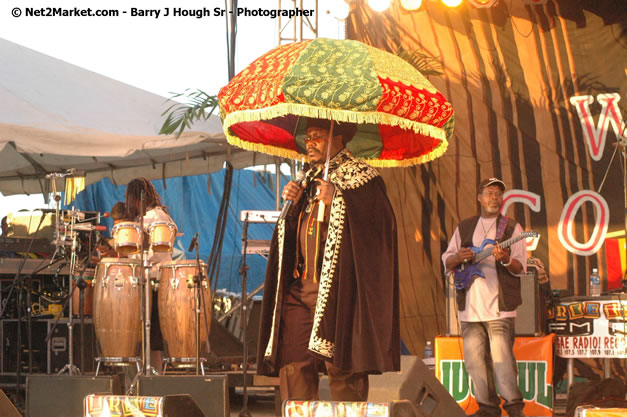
[(491, 181)]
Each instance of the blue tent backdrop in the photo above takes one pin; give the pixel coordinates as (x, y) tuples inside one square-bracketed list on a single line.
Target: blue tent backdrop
[(194, 203)]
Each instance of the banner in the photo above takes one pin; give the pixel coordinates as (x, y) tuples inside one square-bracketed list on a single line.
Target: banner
[(590, 327), (534, 356)]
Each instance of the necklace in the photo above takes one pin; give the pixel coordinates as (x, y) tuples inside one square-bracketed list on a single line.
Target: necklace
[(485, 232)]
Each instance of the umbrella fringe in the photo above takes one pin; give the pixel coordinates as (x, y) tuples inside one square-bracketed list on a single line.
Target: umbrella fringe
[(377, 163), (282, 109)]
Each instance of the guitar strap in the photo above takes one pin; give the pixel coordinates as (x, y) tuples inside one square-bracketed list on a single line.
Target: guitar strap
[(501, 227)]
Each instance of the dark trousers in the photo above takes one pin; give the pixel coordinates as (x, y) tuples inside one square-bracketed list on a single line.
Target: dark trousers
[(299, 372)]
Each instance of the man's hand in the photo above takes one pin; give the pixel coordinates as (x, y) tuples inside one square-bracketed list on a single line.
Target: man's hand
[(325, 191), (292, 191), (465, 255), (501, 255), (462, 255)]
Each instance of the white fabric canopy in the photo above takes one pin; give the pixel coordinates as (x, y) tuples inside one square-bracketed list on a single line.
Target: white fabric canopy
[(55, 116)]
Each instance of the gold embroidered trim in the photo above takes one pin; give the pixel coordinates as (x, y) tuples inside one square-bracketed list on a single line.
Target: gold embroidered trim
[(318, 344), (352, 172), (281, 237)]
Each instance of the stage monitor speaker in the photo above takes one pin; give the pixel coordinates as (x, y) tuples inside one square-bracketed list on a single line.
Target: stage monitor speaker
[(181, 405), (415, 382), (62, 395), (211, 392), (530, 312), (7, 409), (348, 408)]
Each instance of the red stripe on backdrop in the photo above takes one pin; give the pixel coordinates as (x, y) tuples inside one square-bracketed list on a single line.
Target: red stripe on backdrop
[(615, 262)]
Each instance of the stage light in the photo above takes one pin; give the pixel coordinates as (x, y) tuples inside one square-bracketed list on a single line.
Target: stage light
[(452, 3), (341, 10), (411, 4), (379, 5)]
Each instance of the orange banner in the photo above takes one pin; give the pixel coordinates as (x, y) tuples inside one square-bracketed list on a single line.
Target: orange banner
[(534, 356)]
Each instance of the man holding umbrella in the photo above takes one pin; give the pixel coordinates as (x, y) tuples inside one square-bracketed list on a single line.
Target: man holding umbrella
[(331, 289)]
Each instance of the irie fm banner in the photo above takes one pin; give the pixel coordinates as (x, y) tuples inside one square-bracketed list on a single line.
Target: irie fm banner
[(535, 373), (590, 327)]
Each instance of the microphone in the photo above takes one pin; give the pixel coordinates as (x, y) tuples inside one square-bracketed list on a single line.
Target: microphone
[(300, 176), (193, 243)]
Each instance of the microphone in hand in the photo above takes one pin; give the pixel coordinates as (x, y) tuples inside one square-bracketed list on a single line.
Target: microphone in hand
[(300, 176), (193, 243)]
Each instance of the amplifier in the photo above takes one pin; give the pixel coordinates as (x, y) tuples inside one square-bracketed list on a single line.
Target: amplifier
[(529, 314)]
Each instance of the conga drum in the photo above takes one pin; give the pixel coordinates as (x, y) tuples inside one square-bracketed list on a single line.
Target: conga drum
[(162, 236), (127, 238), (177, 308), (117, 308)]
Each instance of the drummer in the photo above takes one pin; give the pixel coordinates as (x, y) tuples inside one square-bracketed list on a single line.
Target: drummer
[(118, 213), (154, 211)]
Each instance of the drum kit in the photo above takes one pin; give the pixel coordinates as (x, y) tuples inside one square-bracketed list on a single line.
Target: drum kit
[(121, 322), (122, 288)]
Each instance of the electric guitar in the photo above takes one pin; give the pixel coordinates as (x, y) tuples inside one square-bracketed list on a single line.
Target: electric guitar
[(466, 272)]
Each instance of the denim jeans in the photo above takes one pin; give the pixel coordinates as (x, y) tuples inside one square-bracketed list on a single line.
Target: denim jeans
[(488, 353)]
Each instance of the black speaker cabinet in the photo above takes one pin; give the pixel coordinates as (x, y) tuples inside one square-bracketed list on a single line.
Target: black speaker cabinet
[(210, 392), (62, 395), (529, 314)]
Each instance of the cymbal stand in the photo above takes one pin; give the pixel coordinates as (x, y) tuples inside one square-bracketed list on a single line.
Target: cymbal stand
[(70, 367)]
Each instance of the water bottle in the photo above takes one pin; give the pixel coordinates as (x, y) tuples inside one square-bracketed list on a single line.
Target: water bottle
[(428, 350), (595, 283)]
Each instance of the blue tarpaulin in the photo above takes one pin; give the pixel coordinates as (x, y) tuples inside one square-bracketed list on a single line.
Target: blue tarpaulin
[(194, 203)]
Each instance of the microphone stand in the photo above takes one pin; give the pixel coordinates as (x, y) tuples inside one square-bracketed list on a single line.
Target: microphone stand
[(243, 322), (145, 278), (198, 285)]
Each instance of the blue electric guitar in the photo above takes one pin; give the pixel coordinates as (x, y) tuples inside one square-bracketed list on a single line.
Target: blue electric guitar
[(466, 272)]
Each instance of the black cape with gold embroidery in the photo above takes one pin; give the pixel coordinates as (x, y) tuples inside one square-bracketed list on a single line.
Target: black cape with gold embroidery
[(356, 325)]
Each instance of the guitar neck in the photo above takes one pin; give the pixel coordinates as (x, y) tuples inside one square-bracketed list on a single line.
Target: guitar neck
[(488, 251)]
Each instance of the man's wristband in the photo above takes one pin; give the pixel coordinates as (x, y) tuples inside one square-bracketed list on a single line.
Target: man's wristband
[(507, 264)]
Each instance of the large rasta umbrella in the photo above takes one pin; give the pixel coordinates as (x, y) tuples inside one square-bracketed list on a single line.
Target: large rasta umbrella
[(401, 118)]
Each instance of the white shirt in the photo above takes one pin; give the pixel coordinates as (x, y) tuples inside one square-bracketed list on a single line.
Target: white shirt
[(482, 298)]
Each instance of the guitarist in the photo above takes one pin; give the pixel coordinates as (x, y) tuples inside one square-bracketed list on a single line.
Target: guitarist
[(487, 308)]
